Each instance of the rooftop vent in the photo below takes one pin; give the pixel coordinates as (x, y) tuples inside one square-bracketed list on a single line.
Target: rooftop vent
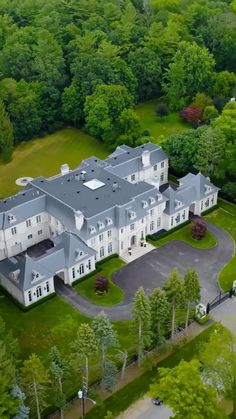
[(83, 174), (115, 186)]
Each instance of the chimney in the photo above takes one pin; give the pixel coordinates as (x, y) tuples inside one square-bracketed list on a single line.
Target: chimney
[(65, 169), (83, 174), (115, 186), (145, 158)]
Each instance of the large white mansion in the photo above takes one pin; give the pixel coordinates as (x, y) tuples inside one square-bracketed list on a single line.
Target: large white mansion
[(64, 224)]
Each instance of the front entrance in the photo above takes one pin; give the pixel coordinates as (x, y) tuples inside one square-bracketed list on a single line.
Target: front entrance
[(133, 241)]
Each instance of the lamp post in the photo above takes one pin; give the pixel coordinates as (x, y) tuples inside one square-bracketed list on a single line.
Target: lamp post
[(82, 395)]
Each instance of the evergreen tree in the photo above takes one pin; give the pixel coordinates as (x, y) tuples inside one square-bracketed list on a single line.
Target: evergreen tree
[(160, 311), (109, 375), (85, 346), (59, 370), (192, 290), (105, 335), (142, 321), (6, 134), (8, 404), (23, 411), (34, 377), (175, 293)]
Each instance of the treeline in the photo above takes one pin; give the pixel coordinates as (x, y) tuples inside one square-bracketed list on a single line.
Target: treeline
[(29, 387), (55, 55)]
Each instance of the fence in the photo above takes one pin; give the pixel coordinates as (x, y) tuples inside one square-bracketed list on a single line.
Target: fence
[(221, 297)]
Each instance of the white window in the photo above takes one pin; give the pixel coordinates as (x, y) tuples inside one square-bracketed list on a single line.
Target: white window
[(144, 204), (172, 221), (81, 269), (40, 232), (133, 178), (101, 252), (183, 215), (47, 286), (207, 202), (13, 231), (177, 218), (132, 226), (100, 237), (89, 265), (38, 219), (30, 236), (142, 220), (109, 248), (152, 226), (151, 212), (29, 296), (28, 223), (100, 225), (39, 292), (109, 221), (162, 164), (212, 200), (93, 241), (155, 168), (159, 222), (201, 205), (109, 233), (121, 230), (73, 273), (122, 245), (162, 177)]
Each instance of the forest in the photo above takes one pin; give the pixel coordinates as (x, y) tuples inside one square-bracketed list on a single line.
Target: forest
[(86, 63)]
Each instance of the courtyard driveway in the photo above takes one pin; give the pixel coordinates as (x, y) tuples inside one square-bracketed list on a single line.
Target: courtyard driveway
[(152, 270)]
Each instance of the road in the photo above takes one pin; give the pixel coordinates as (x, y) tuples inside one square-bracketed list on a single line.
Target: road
[(225, 313), (144, 409)]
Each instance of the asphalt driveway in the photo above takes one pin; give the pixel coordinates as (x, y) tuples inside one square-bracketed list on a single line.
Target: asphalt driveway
[(152, 270)]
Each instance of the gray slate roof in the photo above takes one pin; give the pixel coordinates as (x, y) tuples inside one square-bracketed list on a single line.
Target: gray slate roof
[(192, 187)]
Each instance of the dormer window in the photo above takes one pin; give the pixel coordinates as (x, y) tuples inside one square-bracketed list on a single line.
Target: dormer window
[(100, 225), (11, 218), (92, 229), (109, 221), (178, 203), (35, 276), (144, 204), (132, 215), (159, 197), (152, 200), (208, 188)]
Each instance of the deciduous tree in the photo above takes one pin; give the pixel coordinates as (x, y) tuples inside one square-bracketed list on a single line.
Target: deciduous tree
[(142, 321), (160, 311), (174, 289), (6, 134), (59, 370), (192, 290)]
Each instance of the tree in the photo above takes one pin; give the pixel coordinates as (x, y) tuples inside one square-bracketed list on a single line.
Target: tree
[(23, 411), (85, 347), (189, 73), (129, 127), (210, 113), (185, 392), (34, 377), (226, 122), (219, 362), (105, 335), (198, 229), (192, 115), (59, 370), (160, 311), (109, 375), (8, 403), (101, 284), (6, 134), (142, 321), (175, 293), (201, 101), (103, 110), (210, 156), (192, 290), (224, 84), (162, 109)]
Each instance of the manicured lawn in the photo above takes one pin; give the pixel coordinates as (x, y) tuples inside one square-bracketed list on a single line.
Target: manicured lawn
[(114, 296), (165, 126), (225, 217), (44, 156), (122, 399), (184, 235)]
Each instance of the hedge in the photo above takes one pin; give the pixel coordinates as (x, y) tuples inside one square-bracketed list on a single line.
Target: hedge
[(154, 237), (208, 211)]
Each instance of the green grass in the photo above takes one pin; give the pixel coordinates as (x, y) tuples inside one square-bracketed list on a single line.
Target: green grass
[(225, 218), (184, 235), (44, 156), (123, 398), (160, 128), (114, 296)]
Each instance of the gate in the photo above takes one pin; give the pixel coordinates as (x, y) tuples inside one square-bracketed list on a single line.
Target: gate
[(219, 299)]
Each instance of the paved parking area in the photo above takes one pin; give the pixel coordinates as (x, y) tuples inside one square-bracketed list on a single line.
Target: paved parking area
[(152, 269), (144, 409)]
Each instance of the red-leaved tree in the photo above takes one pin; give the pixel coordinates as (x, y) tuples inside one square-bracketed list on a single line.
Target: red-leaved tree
[(101, 284), (198, 229), (192, 115)]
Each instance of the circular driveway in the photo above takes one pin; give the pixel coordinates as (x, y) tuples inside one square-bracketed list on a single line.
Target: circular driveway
[(152, 270)]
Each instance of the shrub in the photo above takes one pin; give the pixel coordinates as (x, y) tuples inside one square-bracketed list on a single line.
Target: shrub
[(201, 101), (101, 284), (146, 133), (219, 102), (192, 115), (198, 229), (162, 109), (210, 113)]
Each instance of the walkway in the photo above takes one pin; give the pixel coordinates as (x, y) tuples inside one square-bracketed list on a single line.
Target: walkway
[(137, 252), (152, 269)]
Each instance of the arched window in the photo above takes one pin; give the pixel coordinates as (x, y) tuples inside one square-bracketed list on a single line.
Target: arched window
[(39, 292), (81, 269), (101, 252)]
